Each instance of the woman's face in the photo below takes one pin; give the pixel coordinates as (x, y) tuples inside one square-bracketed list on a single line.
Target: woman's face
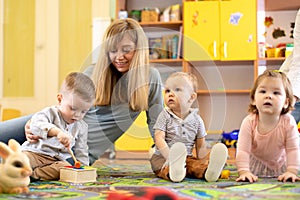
[(121, 56)]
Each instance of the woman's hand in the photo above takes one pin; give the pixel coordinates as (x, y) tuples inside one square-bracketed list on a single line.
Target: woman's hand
[(246, 176), (286, 176), (29, 136)]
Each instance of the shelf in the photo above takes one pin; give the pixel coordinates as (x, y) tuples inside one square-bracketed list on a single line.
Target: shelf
[(279, 5), (161, 25), (271, 59), (223, 91), (177, 23), (165, 60)]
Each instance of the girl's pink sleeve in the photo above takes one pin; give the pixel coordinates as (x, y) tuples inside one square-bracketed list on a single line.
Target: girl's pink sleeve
[(292, 144), (244, 145)]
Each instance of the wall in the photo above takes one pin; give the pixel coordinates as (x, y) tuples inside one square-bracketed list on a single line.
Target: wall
[(45, 58), (47, 66), (281, 24)]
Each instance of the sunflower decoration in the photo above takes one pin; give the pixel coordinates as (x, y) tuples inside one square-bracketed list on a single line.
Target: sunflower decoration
[(268, 21)]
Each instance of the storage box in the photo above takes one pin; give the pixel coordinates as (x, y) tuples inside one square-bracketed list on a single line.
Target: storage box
[(81, 175), (149, 16), (135, 14), (275, 52), (175, 13), (289, 49)]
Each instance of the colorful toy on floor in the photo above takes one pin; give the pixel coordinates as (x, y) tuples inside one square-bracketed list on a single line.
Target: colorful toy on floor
[(225, 174), (77, 164), (147, 193), (230, 139), (83, 174), (15, 169)]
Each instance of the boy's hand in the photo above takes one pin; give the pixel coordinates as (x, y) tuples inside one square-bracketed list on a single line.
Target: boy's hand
[(247, 176), (286, 176), (64, 139)]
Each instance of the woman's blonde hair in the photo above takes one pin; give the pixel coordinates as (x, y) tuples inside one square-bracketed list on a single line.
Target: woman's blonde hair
[(105, 76), (286, 84)]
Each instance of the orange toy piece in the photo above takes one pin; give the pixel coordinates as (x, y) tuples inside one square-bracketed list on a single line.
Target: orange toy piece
[(225, 174), (77, 164)]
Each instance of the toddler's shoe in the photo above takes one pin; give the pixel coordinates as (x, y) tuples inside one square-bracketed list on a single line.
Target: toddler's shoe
[(217, 160), (177, 158)]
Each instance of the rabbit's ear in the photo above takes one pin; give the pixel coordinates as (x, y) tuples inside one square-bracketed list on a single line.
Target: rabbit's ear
[(5, 151), (14, 145)]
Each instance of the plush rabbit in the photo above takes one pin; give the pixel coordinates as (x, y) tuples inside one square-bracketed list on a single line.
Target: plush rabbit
[(15, 168)]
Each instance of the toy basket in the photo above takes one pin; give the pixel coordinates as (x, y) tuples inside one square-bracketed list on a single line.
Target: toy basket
[(149, 16), (275, 52)]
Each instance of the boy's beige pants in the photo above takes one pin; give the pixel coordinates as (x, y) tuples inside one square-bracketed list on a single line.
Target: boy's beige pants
[(45, 167), (195, 168)]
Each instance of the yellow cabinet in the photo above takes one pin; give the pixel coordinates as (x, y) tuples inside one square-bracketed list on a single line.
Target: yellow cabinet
[(220, 30)]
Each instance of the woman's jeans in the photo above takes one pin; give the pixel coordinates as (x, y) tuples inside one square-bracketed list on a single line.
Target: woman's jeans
[(14, 128), (296, 112)]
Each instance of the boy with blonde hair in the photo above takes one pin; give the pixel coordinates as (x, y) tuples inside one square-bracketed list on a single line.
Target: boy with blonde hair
[(178, 130)]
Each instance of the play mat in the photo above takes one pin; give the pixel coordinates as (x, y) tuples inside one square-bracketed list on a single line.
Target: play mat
[(136, 181)]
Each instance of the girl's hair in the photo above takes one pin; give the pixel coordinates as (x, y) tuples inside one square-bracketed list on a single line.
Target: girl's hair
[(105, 76), (286, 84), (189, 76), (80, 84)]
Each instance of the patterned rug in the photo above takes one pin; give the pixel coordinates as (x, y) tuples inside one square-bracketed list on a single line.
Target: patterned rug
[(128, 181)]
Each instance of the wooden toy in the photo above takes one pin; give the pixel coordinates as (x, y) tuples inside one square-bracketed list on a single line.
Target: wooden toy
[(83, 174), (77, 164)]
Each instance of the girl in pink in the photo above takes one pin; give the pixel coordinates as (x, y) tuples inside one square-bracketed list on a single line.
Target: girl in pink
[(268, 144)]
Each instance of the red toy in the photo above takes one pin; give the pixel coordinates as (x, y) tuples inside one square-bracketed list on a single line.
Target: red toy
[(146, 193)]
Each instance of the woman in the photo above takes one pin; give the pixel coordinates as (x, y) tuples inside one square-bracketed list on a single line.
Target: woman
[(125, 86), (291, 67)]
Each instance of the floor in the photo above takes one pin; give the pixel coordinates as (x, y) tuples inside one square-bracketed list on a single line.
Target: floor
[(130, 173), (126, 157), (129, 176)]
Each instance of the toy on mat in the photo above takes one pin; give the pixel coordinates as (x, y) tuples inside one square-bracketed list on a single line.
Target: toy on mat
[(225, 174), (77, 164), (15, 168), (230, 139), (146, 193)]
